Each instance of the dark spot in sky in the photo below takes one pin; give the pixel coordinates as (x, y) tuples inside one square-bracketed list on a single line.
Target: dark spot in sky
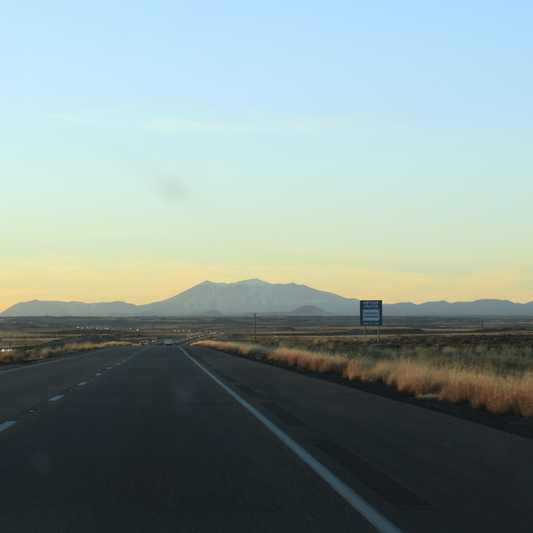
[(169, 189)]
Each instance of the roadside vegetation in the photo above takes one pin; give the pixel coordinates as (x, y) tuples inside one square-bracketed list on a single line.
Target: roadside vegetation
[(496, 379), (19, 355)]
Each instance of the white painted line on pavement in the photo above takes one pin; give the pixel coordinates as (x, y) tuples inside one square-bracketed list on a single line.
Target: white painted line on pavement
[(98, 374), (117, 363), (109, 367), (358, 503), (5, 425), (55, 398), (58, 360), (82, 383)]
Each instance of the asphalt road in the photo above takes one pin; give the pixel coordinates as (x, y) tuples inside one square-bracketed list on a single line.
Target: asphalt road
[(142, 439)]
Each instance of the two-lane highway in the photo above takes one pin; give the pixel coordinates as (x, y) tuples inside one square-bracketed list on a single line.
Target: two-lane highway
[(164, 439), (156, 445)]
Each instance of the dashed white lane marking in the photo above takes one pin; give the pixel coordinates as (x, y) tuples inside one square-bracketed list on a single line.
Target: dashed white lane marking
[(98, 374), (58, 360), (5, 425), (82, 383), (109, 367), (55, 398), (117, 363), (353, 499)]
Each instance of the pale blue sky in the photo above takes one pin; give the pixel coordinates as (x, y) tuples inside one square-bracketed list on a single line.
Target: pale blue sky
[(378, 150)]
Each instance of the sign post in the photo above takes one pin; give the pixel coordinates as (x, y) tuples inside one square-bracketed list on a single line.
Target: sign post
[(371, 314)]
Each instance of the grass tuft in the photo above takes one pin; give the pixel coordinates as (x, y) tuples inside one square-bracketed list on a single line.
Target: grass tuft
[(498, 381), (21, 356)]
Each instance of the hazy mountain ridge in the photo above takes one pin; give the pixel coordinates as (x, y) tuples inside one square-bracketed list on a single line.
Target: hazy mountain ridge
[(56, 308), (251, 296), (258, 296), (477, 307)]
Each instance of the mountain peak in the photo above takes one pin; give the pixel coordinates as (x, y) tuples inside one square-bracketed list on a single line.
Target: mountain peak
[(251, 282), (255, 295), (254, 281)]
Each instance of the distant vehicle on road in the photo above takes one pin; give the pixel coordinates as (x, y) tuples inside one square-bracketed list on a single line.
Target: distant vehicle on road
[(167, 342)]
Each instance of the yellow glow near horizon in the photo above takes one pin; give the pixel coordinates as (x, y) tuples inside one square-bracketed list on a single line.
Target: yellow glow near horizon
[(143, 282), (273, 160)]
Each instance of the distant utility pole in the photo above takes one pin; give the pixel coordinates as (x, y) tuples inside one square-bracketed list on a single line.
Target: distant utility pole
[(255, 328), (482, 328)]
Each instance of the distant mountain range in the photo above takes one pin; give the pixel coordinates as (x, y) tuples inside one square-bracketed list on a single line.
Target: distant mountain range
[(256, 296)]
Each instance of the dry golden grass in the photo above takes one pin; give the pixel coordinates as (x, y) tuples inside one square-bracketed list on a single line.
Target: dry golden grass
[(483, 380), (12, 356), (20, 356)]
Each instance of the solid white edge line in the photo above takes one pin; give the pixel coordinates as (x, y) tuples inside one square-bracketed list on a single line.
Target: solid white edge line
[(5, 425), (358, 503), (55, 398)]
